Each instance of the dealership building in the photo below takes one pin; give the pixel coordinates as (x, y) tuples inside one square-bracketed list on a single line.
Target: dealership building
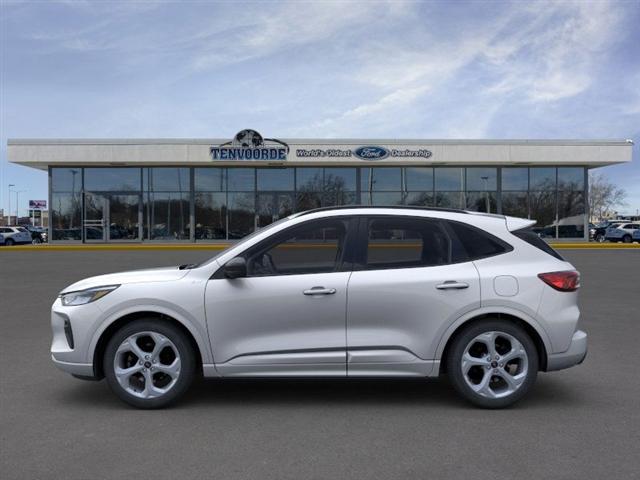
[(204, 190)]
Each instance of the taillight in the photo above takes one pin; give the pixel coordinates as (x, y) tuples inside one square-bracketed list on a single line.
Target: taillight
[(568, 281)]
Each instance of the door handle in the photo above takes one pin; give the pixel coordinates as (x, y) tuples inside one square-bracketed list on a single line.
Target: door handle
[(319, 291), (452, 285)]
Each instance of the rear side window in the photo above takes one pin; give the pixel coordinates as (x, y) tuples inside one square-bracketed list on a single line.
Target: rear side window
[(478, 243), (532, 238), (406, 243)]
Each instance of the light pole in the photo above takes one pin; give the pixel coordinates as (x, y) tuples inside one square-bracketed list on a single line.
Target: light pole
[(9, 211), (18, 192)]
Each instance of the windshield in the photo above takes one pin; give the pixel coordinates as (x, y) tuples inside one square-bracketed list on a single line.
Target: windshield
[(244, 240)]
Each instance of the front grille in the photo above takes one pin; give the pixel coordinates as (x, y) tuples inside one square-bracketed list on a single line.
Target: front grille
[(68, 332)]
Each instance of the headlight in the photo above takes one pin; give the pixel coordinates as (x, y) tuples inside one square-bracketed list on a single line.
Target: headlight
[(82, 297)]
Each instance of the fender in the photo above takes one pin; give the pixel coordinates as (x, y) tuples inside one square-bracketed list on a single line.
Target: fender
[(440, 344), (195, 328)]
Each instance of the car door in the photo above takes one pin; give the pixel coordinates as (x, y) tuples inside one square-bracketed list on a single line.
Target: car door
[(403, 294), (287, 316)]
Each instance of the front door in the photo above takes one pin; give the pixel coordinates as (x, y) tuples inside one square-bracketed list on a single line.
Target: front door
[(287, 317), (111, 217)]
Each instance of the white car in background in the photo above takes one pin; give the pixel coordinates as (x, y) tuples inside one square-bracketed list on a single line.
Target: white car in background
[(622, 232), (15, 235), (337, 292)]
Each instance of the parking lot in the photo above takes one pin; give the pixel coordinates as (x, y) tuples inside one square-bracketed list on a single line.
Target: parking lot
[(576, 424)]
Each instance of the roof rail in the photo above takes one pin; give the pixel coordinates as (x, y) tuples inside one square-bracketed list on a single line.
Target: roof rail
[(398, 207)]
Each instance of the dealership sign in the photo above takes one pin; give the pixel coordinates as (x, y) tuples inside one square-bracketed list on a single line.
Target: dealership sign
[(250, 145), (38, 204), (366, 152)]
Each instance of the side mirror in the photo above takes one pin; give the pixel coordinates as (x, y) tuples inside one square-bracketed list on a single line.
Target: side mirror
[(235, 268)]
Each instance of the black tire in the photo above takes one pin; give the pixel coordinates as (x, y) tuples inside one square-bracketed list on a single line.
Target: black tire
[(599, 238), (9, 242), (36, 241), (456, 351), (185, 350), (626, 239)]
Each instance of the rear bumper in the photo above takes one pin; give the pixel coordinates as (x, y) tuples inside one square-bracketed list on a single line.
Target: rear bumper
[(79, 369), (574, 355)]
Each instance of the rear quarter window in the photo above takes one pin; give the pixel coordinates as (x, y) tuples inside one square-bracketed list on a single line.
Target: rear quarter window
[(533, 239), (476, 242)]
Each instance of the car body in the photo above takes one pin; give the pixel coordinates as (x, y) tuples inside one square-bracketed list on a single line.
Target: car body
[(340, 292), (38, 234), (599, 231), (636, 235), (622, 232), (15, 235)]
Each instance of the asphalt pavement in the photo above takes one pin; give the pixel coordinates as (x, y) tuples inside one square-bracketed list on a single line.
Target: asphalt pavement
[(581, 423)]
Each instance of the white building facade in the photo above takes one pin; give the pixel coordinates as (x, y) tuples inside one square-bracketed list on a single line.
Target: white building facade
[(191, 190)]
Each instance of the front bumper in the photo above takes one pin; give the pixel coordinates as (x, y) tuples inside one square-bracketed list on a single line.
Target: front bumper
[(574, 355)]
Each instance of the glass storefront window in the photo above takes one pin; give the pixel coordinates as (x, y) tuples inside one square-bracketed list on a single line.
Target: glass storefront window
[(309, 179), (210, 216), (241, 214), (66, 217), (482, 202), (418, 178), (542, 178), (380, 179), (515, 204), (66, 179), (422, 199), (241, 179), (449, 199), (451, 179), (340, 179), (209, 179), (482, 179), (515, 178), (167, 216), (166, 179), (571, 214), (308, 200), (275, 179), (382, 198), (112, 179), (571, 178), (543, 211)]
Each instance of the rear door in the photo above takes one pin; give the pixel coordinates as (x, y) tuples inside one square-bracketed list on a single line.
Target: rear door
[(403, 294)]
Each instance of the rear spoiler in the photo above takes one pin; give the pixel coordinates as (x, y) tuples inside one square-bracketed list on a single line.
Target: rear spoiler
[(515, 223)]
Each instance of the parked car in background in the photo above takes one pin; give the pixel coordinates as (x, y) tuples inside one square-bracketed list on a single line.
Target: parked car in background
[(1, 239), (600, 230), (622, 232), (38, 234), (636, 236), (15, 235)]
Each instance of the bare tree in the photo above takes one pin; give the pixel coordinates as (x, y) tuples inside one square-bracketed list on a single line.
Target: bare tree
[(604, 196)]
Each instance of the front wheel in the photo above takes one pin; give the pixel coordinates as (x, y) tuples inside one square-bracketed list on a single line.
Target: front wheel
[(492, 363), (149, 363), (626, 239), (599, 238), (9, 242)]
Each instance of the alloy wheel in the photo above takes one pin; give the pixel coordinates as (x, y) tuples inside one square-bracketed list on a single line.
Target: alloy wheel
[(494, 364), (147, 364)]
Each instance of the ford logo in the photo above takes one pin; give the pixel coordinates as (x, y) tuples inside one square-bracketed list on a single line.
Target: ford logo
[(371, 153)]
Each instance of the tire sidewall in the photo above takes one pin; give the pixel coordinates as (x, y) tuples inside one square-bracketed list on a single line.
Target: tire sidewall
[(454, 356), (185, 350)]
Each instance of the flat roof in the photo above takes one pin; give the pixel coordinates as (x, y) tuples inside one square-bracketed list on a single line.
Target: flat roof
[(43, 153)]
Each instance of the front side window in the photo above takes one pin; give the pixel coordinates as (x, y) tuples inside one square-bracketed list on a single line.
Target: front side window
[(314, 247), (406, 243)]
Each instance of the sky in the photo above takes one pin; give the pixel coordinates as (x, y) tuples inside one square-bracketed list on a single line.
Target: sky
[(373, 69)]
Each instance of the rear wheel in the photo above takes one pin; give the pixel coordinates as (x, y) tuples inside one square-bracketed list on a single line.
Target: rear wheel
[(599, 238), (149, 363), (36, 241), (492, 363), (626, 239), (9, 242)]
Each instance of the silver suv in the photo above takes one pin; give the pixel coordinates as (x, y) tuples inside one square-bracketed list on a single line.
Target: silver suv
[(340, 292)]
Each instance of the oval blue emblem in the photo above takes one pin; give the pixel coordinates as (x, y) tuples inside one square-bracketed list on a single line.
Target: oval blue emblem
[(371, 153)]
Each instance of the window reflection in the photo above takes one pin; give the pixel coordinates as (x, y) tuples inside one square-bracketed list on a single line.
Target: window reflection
[(542, 178), (381, 179), (482, 179), (571, 214), (210, 216), (166, 179), (241, 179), (66, 179), (167, 216), (419, 178), (515, 178), (66, 216), (280, 179), (112, 179), (449, 179), (570, 178), (482, 202)]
